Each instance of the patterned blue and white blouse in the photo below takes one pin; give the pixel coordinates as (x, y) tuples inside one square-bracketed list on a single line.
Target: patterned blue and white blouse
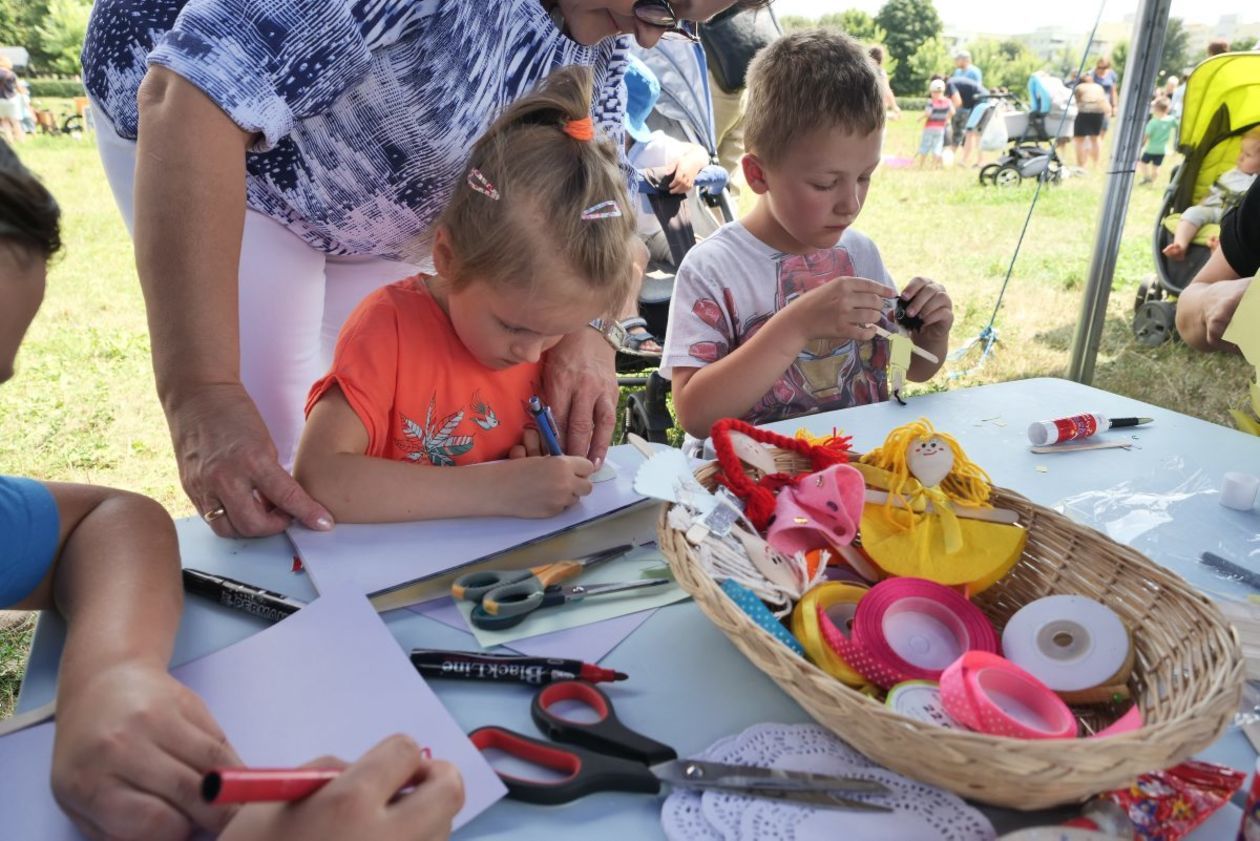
[(365, 109)]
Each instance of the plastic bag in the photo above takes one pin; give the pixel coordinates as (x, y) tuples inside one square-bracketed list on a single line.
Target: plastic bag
[(994, 137)]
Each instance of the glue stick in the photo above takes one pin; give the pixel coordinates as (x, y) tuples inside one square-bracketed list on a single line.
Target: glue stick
[(1041, 433)]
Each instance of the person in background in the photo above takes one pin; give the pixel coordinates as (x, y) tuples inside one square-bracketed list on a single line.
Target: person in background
[(1107, 79), (132, 743), (963, 67), (1226, 192), (1092, 107), (1052, 102), (936, 116), (1217, 46), (774, 315), (969, 92), (10, 103), (1157, 134), (891, 108)]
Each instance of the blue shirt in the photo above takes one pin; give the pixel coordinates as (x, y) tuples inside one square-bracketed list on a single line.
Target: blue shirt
[(365, 109), (1039, 96), (971, 72), (30, 528)]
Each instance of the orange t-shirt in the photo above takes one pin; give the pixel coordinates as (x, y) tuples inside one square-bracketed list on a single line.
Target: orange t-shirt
[(419, 393)]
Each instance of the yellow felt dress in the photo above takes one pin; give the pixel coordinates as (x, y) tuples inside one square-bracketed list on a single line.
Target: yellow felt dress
[(936, 545)]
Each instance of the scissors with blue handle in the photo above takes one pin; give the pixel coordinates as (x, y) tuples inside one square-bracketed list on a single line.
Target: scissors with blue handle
[(605, 755), (475, 586), (508, 606)]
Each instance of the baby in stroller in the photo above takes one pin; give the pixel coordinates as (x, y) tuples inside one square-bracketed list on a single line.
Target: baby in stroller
[(1225, 193)]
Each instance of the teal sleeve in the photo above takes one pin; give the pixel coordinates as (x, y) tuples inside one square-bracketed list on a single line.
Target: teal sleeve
[(30, 526)]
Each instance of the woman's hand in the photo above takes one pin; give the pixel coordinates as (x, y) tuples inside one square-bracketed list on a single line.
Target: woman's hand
[(361, 802), (131, 747), (581, 388), (227, 460)]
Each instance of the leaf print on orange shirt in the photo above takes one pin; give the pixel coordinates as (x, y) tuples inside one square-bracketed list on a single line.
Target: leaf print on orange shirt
[(437, 442)]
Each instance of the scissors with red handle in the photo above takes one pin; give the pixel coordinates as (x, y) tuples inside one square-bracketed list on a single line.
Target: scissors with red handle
[(605, 755)]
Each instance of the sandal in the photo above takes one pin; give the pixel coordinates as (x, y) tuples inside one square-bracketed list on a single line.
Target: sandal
[(636, 336)]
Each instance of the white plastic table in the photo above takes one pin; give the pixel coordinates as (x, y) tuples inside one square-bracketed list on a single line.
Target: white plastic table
[(689, 686)]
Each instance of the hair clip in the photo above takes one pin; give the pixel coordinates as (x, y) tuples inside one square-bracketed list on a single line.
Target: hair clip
[(581, 129), (482, 184), (603, 210)]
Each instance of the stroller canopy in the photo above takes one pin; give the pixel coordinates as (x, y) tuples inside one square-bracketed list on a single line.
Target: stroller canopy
[(1231, 80)]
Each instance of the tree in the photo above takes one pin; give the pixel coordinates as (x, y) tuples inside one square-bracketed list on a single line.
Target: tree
[(856, 23), (932, 58), (19, 20), (1006, 63), (62, 32), (1119, 58), (909, 24), (791, 23), (1242, 45), (1176, 56)]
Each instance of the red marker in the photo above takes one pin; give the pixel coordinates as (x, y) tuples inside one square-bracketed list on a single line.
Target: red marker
[(255, 785)]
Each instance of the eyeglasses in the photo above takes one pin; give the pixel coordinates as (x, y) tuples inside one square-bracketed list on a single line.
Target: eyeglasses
[(660, 13)]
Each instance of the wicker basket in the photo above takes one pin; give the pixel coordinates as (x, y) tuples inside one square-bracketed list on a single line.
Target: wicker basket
[(1187, 678)]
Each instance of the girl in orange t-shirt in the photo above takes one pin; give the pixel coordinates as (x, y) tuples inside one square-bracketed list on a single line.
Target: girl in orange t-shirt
[(432, 374)]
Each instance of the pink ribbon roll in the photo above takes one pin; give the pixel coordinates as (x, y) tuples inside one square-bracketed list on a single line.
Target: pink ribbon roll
[(909, 629), (989, 694)]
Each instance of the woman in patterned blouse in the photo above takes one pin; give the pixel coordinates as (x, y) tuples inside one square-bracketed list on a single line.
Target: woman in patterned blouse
[(293, 158)]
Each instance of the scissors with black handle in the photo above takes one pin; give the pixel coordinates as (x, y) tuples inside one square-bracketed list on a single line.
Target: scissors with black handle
[(507, 610), (605, 755), (505, 583)]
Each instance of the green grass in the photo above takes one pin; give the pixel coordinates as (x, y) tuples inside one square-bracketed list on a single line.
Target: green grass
[(82, 406)]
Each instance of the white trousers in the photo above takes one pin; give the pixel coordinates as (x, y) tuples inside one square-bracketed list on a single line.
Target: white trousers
[(293, 300)]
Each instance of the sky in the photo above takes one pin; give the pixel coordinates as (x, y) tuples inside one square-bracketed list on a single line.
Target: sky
[(996, 17)]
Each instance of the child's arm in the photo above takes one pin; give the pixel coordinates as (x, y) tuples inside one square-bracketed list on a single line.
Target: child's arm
[(729, 387), (359, 488), (132, 742), (928, 300)]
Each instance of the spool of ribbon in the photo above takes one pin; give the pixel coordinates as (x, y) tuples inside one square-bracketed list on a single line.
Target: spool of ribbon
[(990, 694), (759, 613), (835, 603), (1078, 647), (920, 700), (910, 629)]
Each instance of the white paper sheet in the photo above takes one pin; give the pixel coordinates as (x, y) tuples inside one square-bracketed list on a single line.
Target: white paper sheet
[(375, 557), (328, 680)]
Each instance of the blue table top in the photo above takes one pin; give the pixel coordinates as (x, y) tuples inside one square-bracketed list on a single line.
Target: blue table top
[(689, 686)]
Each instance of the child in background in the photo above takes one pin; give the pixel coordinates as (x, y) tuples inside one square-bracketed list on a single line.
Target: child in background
[(1158, 132), (936, 115), (132, 743), (431, 375), (774, 315), (1226, 193)]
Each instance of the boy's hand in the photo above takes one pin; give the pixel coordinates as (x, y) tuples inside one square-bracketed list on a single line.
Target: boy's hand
[(361, 803), (544, 486), (928, 300), (131, 747), (842, 308)]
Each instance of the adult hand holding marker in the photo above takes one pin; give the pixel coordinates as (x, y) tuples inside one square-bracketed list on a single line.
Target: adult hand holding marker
[(393, 793)]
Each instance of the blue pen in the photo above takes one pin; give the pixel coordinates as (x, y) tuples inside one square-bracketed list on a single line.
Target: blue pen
[(546, 425)]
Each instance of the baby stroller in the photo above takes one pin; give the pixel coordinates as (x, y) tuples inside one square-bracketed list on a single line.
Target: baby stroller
[(1222, 102), (1026, 157), (684, 111)]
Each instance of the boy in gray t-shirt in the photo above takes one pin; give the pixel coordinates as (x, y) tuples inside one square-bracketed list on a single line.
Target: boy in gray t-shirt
[(774, 315)]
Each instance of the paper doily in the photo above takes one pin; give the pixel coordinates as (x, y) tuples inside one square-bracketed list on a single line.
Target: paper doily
[(921, 812)]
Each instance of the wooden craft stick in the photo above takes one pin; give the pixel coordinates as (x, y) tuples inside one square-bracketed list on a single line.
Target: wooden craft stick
[(915, 349), (991, 515), (640, 444), (1076, 448)]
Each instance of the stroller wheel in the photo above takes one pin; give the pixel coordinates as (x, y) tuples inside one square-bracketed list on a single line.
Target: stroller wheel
[(1150, 289), (1155, 323), (987, 172), (1007, 176)]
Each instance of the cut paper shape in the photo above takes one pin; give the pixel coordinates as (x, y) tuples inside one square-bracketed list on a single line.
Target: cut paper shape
[(330, 679), (606, 471), (667, 475)]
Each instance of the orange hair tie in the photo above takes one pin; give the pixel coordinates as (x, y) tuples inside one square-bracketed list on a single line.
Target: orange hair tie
[(583, 129)]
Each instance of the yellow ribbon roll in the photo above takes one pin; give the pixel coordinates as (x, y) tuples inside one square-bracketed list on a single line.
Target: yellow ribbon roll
[(805, 629)]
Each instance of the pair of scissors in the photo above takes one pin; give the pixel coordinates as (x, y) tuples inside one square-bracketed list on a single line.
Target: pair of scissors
[(504, 611), (605, 755), (497, 584)]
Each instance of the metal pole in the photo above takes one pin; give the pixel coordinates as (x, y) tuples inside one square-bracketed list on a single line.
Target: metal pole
[(1145, 50)]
